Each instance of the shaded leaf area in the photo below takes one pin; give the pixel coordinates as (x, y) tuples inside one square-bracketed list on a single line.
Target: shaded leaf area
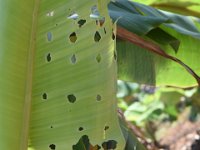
[(182, 24), (135, 64), (84, 144), (145, 18), (162, 37), (173, 33), (130, 16), (138, 65)]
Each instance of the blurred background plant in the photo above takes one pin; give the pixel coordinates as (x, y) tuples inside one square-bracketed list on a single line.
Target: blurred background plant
[(157, 110), (167, 116), (185, 7)]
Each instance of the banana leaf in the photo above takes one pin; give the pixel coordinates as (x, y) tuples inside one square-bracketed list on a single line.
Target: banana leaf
[(57, 75), (177, 36)]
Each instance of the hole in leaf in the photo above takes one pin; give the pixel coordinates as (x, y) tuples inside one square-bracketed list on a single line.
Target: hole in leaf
[(98, 98), (73, 16), (44, 96), (73, 37), (80, 128), (49, 36), (81, 22), (113, 36), (98, 58), (52, 146), (97, 22), (73, 59), (115, 55), (48, 57), (106, 128), (71, 98), (97, 37), (104, 30), (95, 14), (50, 14), (111, 144), (102, 21), (84, 144)]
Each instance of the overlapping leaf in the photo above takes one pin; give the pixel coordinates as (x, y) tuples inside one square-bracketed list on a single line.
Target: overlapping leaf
[(170, 34), (189, 8)]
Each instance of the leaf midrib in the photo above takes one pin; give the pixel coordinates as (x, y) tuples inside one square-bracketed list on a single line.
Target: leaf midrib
[(28, 88)]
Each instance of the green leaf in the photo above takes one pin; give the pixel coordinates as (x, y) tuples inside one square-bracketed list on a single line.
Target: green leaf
[(135, 64), (128, 15), (54, 90), (180, 32), (139, 65), (134, 113), (182, 24), (180, 7), (188, 54), (170, 96), (132, 142), (163, 38), (15, 31)]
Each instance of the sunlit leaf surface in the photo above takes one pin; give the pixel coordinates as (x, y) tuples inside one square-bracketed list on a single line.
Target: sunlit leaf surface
[(58, 75)]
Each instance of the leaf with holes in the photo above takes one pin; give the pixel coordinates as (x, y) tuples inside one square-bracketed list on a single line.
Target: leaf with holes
[(57, 75), (84, 144)]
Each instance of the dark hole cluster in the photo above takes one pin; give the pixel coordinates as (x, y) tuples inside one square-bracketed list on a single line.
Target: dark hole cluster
[(84, 143), (100, 21)]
